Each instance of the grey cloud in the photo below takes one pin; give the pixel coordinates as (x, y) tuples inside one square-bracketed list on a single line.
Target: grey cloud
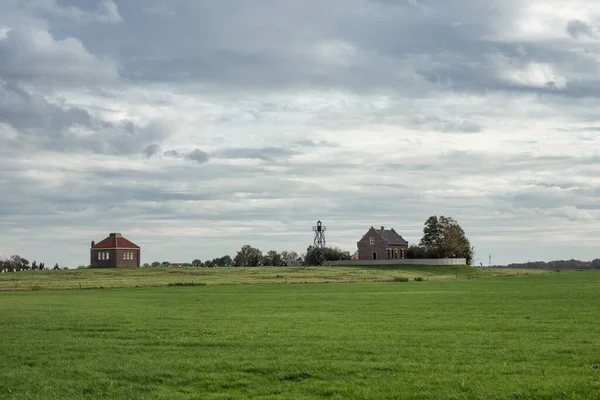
[(173, 154), (577, 28), (264, 154), (31, 54), (315, 143), (445, 125), (43, 125), (105, 11), (399, 50), (152, 150), (161, 10), (196, 155), (30, 112)]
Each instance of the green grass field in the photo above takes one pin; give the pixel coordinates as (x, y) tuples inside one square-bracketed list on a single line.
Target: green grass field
[(152, 277), (531, 336)]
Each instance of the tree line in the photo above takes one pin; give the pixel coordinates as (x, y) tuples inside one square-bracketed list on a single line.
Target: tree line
[(17, 263), (558, 264), (249, 256)]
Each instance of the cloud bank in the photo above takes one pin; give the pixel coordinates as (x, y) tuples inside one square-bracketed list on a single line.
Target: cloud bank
[(197, 127)]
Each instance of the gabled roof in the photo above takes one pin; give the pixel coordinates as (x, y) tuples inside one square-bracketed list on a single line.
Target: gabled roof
[(391, 236), (114, 241)]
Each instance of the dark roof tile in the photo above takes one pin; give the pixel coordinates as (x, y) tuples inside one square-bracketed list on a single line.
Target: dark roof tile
[(112, 242), (392, 237)]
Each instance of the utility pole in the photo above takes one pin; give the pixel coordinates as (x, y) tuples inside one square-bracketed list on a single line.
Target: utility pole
[(490, 262)]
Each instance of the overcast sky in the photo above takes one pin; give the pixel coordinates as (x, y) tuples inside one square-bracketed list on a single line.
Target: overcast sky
[(194, 127)]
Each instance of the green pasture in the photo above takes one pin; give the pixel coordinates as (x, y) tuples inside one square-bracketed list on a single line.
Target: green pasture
[(530, 336), (152, 277)]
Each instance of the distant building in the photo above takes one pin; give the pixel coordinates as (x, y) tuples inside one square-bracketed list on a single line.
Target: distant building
[(114, 252), (382, 244)]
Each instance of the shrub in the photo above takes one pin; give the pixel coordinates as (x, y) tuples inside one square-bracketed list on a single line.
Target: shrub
[(419, 279), (186, 284), (400, 279)]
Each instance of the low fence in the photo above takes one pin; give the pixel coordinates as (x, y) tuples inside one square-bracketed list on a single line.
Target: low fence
[(414, 261)]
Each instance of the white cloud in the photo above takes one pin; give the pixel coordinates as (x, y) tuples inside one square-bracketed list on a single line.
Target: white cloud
[(530, 74), (4, 30)]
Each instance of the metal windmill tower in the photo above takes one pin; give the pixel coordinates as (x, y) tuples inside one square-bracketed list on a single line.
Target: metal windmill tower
[(319, 250)]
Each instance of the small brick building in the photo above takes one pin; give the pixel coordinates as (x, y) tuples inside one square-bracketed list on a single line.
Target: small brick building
[(114, 252), (381, 244)]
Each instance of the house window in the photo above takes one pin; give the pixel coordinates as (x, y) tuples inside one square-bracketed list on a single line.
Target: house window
[(374, 256), (107, 255), (395, 253), (99, 256), (389, 253), (372, 240), (125, 256)]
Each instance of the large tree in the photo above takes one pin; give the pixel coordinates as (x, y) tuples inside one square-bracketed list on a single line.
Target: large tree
[(443, 237), (272, 258), (248, 256), (290, 256)]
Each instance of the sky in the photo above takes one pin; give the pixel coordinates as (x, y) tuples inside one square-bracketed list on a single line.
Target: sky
[(196, 127)]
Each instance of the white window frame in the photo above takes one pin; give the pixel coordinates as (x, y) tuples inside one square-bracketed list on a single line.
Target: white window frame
[(99, 255), (371, 240)]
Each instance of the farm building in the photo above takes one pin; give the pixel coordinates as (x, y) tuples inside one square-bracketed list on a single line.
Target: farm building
[(114, 252), (381, 244)]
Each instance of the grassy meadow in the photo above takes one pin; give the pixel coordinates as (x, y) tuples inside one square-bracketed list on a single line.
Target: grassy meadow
[(530, 336), (151, 277)]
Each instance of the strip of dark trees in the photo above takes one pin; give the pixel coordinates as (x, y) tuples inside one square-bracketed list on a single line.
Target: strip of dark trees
[(249, 256), (558, 264), (17, 263)]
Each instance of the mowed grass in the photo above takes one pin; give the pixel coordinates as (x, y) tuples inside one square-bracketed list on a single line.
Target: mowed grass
[(520, 337), (152, 277)]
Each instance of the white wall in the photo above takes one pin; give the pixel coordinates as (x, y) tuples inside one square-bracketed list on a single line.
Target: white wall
[(432, 261)]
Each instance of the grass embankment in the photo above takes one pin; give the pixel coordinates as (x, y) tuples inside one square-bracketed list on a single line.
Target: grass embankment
[(150, 277), (527, 337)]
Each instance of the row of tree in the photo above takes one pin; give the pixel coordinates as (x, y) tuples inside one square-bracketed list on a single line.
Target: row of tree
[(17, 263), (249, 256), (558, 264)]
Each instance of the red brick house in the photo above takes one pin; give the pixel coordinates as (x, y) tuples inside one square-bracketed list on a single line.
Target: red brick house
[(381, 244), (114, 252)]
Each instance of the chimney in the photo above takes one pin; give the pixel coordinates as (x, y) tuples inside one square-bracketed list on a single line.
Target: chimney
[(115, 235), (93, 244), (382, 227)]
